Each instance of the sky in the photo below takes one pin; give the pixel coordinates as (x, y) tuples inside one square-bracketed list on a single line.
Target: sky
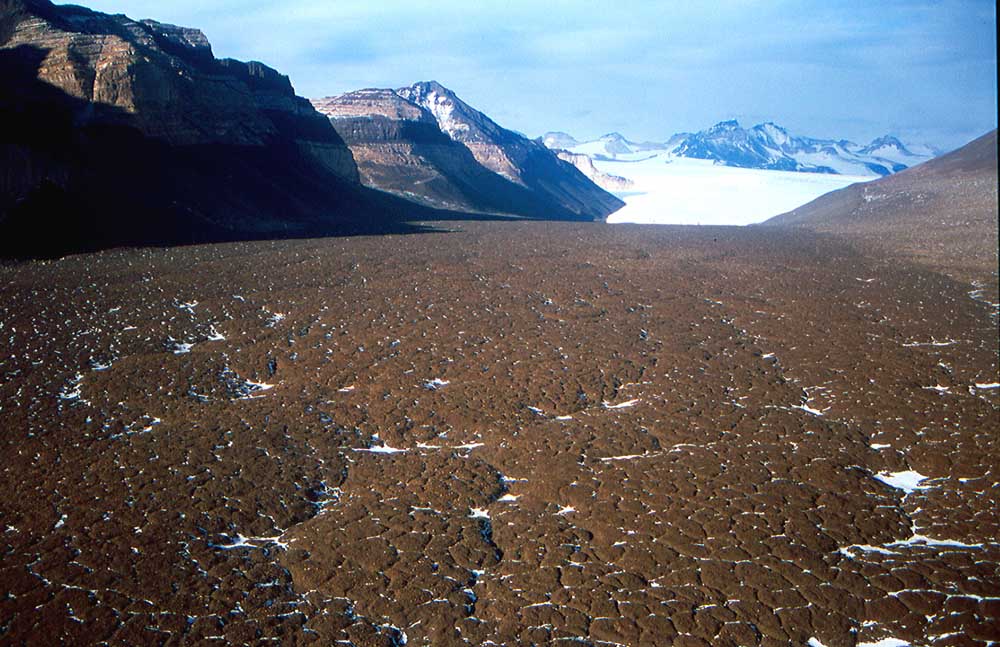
[(924, 70)]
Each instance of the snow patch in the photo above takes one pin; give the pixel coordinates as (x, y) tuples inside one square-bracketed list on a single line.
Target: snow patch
[(808, 409), (625, 457), (254, 389), (72, 391), (240, 541), (908, 481), (478, 513), (923, 540), (620, 405), (382, 449)]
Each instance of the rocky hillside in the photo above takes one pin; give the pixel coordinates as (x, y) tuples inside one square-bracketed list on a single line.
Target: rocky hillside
[(521, 160), (942, 212), (425, 144), (400, 149), (114, 131)]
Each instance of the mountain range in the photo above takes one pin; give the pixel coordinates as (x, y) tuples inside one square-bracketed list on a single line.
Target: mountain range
[(121, 132), (765, 146), (424, 143)]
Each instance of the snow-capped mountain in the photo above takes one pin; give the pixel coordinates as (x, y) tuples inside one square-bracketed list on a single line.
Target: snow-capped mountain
[(890, 148), (559, 141), (610, 146), (765, 146)]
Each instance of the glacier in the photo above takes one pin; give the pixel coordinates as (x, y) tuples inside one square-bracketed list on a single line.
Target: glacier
[(671, 190)]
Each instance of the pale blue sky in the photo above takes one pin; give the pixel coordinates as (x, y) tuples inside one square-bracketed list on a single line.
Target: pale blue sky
[(923, 69)]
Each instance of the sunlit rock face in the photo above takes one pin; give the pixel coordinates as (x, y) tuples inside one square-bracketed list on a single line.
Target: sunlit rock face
[(425, 144), (161, 79)]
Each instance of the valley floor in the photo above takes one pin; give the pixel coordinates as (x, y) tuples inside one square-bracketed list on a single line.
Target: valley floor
[(516, 434)]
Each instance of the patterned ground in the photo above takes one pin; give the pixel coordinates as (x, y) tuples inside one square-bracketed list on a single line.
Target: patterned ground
[(516, 434)]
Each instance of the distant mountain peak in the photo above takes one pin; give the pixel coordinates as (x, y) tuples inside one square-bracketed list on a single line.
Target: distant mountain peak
[(886, 141), (727, 125), (770, 126), (422, 90), (767, 146), (559, 140), (432, 86)]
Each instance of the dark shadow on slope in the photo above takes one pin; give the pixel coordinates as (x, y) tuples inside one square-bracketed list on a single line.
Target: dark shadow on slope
[(463, 177), (73, 179), (417, 160)]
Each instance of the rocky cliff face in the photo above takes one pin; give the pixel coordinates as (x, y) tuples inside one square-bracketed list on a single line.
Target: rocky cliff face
[(165, 82), (424, 141), (115, 131), (497, 149), (400, 148)]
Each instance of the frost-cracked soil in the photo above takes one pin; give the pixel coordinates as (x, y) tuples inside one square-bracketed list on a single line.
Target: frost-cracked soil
[(515, 434)]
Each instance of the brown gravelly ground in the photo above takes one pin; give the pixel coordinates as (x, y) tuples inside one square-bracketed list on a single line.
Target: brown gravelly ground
[(515, 434)]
